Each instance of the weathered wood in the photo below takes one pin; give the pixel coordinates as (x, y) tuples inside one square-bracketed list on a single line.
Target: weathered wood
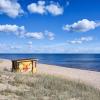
[(24, 65)]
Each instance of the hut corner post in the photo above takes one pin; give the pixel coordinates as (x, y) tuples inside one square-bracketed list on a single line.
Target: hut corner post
[(12, 66)]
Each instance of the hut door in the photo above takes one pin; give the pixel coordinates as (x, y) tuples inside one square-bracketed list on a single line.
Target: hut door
[(25, 66)]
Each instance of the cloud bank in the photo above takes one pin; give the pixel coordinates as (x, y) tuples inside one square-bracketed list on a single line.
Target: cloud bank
[(13, 9), (83, 25), (22, 32), (80, 40)]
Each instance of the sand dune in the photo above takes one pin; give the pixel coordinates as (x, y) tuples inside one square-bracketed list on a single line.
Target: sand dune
[(89, 77)]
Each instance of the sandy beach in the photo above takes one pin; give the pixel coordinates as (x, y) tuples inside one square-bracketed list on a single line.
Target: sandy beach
[(89, 77)]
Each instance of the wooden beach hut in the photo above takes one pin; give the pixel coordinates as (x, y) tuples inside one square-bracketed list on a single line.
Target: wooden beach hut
[(24, 65)]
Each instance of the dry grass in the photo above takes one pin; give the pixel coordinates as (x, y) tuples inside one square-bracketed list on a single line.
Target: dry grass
[(44, 87)]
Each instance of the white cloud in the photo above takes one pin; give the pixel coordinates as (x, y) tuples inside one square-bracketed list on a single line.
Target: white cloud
[(75, 42), (36, 35), (10, 7), (81, 26), (37, 8), (80, 40), (50, 35), (18, 30), (86, 38), (54, 9), (42, 8)]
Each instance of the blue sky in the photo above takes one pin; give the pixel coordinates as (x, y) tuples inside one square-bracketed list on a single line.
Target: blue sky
[(49, 26)]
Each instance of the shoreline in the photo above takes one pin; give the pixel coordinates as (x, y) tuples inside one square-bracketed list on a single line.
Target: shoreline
[(70, 67), (88, 77)]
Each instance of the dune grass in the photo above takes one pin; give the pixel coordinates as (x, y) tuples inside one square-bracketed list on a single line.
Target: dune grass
[(44, 87)]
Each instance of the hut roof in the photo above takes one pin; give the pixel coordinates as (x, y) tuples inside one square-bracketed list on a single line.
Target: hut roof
[(24, 59)]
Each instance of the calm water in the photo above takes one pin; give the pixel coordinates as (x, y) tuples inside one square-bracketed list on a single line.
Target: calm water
[(81, 61)]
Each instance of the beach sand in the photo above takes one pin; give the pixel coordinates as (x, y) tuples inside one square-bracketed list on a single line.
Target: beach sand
[(88, 77)]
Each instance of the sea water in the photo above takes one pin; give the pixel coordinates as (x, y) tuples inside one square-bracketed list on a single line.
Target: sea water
[(80, 61)]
